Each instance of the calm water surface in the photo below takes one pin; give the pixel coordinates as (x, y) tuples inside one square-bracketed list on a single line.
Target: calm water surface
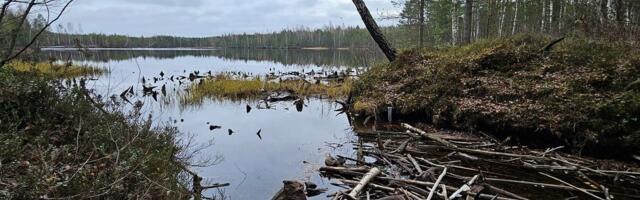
[(293, 143)]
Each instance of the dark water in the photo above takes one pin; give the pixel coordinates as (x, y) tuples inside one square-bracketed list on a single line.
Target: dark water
[(293, 143)]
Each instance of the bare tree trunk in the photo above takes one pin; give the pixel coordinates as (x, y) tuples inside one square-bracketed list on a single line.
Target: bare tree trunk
[(620, 12), (421, 23), (468, 23), (604, 11), (503, 15), (454, 23), (375, 31), (515, 19), (620, 17)]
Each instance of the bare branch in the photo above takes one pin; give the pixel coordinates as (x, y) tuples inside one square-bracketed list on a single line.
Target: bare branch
[(5, 6), (16, 31), (10, 57)]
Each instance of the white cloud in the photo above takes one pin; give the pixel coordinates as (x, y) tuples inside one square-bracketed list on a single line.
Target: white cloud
[(213, 17)]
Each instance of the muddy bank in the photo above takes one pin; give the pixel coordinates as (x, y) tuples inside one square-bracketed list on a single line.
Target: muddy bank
[(581, 94)]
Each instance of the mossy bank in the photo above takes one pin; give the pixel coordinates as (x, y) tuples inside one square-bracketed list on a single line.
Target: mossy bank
[(582, 94)]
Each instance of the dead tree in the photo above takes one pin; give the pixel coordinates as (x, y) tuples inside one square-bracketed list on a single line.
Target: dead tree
[(375, 31)]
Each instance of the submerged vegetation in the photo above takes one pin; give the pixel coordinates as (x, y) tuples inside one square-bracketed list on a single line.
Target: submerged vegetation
[(56, 70), (57, 142), (581, 94), (253, 88)]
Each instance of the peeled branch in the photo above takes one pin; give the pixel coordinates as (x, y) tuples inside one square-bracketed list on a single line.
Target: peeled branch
[(365, 180)]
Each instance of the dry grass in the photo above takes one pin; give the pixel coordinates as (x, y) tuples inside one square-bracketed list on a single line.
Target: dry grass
[(226, 87), (56, 70)]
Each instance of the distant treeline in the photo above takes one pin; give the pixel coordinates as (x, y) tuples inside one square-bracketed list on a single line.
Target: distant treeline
[(446, 22), (328, 37), (337, 58)]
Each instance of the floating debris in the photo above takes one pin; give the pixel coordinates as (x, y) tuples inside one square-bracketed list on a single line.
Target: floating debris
[(297, 190), (248, 108), (214, 127), (299, 104), (230, 132), (259, 136), (148, 90)]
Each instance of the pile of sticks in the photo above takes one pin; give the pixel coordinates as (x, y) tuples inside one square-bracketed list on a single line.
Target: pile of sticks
[(420, 165)]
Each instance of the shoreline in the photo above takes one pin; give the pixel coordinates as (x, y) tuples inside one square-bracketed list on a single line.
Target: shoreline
[(196, 48)]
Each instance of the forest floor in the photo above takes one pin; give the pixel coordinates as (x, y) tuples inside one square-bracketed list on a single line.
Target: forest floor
[(580, 94), (55, 142)]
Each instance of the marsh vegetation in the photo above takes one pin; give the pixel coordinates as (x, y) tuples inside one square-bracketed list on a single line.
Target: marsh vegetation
[(495, 99)]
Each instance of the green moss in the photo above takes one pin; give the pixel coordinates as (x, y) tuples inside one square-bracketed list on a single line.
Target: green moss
[(580, 94)]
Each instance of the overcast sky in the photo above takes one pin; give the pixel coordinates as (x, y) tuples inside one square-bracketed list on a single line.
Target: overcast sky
[(212, 17)]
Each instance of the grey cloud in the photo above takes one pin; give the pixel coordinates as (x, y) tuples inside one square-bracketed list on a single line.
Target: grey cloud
[(212, 17)]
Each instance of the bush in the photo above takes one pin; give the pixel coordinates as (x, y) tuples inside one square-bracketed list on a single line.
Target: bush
[(56, 143)]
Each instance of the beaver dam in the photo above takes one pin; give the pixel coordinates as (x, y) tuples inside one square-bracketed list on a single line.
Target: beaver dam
[(502, 119), (411, 163), (492, 120)]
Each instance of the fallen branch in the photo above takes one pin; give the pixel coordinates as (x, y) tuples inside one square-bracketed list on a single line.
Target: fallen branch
[(415, 163), (429, 136), (572, 186), (464, 188), (365, 180), (435, 185)]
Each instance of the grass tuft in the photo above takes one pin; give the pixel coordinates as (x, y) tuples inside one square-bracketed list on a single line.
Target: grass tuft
[(56, 70), (224, 86)]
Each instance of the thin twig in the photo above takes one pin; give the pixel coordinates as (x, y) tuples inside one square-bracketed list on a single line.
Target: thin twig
[(572, 186)]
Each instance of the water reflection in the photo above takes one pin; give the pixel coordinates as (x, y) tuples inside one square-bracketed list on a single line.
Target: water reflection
[(285, 141), (319, 58)]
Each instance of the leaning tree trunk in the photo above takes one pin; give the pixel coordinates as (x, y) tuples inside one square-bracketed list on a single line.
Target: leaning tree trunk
[(374, 30)]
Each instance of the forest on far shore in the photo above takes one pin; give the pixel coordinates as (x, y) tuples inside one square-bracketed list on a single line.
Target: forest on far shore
[(446, 22)]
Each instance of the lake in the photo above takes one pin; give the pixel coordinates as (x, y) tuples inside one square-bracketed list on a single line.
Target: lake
[(293, 143)]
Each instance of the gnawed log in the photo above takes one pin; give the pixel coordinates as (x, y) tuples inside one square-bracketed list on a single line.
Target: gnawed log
[(363, 182)]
